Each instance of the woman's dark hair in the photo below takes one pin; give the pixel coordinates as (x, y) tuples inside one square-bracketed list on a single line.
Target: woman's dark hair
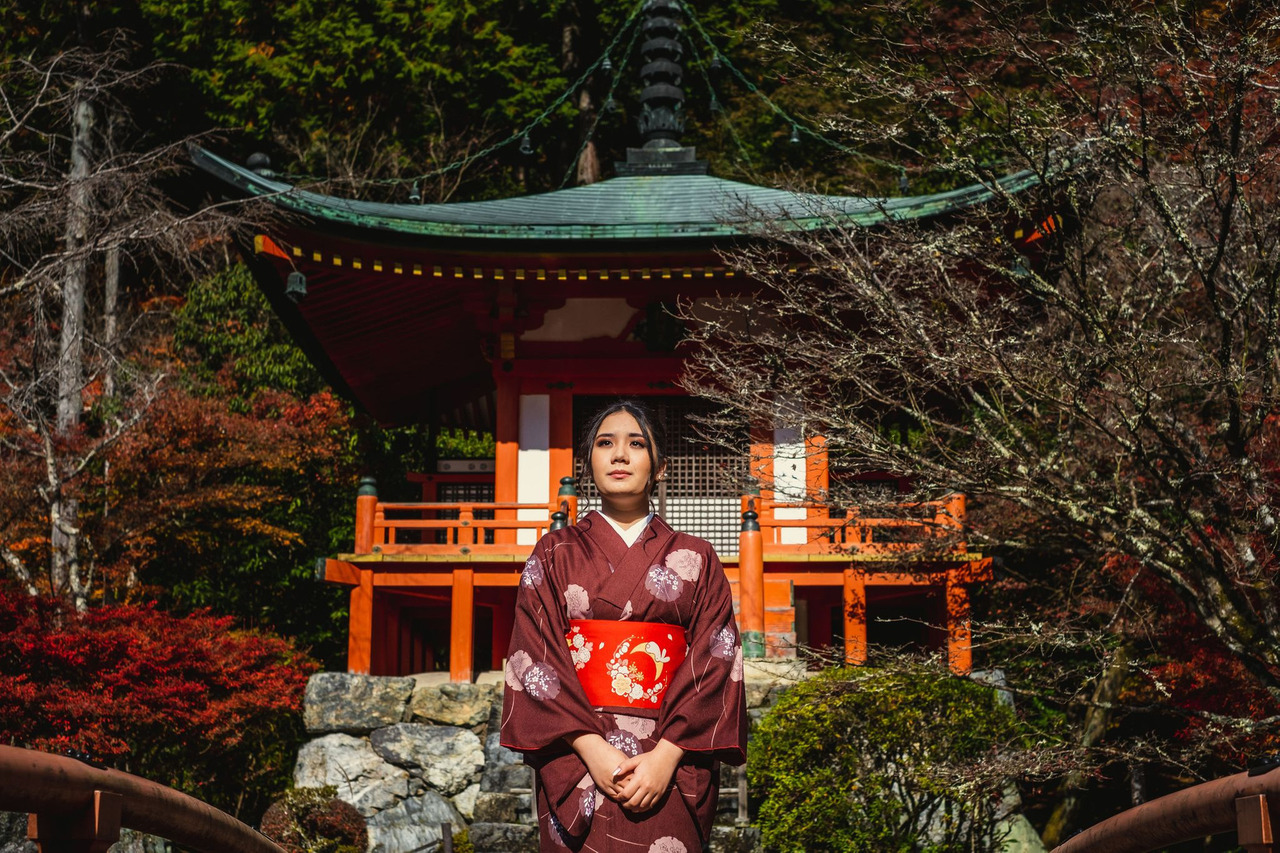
[(650, 427)]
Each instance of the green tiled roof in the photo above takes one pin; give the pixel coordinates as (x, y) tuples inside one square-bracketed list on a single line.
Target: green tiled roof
[(623, 208)]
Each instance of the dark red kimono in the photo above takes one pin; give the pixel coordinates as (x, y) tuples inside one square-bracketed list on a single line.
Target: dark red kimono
[(587, 572)]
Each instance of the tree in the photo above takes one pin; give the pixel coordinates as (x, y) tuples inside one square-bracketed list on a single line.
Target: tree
[(186, 701), (84, 197), (1094, 359)]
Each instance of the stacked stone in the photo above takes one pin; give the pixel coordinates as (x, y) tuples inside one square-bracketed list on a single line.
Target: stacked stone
[(413, 753)]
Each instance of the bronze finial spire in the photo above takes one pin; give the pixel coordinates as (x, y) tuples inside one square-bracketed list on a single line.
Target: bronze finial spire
[(661, 120), (662, 101)]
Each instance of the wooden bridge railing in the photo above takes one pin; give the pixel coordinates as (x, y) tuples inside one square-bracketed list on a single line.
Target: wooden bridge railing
[(77, 808), (1242, 803)]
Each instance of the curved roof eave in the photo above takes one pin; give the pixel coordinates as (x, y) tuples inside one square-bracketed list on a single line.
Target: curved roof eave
[(622, 208)]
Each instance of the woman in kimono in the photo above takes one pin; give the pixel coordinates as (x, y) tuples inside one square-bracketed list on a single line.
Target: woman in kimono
[(624, 676)]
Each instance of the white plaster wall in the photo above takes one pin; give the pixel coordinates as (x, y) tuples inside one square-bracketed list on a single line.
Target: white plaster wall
[(533, 467), (789, 473)]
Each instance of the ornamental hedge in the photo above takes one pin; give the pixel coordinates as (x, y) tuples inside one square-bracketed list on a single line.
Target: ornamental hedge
[(859, 759)]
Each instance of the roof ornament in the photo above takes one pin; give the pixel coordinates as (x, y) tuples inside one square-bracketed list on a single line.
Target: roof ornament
[(661, 120), (662, 101)]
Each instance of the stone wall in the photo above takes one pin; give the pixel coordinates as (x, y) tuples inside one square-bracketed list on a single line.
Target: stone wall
[(411, 753)]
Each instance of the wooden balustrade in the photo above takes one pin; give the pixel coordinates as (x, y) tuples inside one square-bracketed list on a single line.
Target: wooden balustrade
[(388, 528), (480, 528), (922, 525)]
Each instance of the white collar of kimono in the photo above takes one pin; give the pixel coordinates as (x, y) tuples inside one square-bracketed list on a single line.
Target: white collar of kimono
[(629, 534)]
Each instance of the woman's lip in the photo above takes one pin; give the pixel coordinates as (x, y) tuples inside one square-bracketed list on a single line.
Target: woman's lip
[(619, 474)]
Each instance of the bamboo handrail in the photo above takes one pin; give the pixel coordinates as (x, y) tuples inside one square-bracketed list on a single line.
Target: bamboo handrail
[(79, 807), (1239, 802)]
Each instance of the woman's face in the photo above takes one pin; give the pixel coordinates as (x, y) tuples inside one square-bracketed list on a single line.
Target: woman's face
[(620, 462)]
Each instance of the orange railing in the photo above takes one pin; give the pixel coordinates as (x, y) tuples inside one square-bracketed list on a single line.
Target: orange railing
[(1241, 803), (77, 808), (470, 527), (481, 528), (920, 526), (393, 525)]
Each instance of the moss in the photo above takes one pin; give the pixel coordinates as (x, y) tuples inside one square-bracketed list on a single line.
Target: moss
[(314, 820)]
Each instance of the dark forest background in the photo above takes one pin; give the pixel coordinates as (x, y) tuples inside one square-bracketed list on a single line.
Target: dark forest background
[(172, 466)]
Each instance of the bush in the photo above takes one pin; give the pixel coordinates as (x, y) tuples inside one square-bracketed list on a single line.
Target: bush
[(185, 701), (314, 820), (858, 759)]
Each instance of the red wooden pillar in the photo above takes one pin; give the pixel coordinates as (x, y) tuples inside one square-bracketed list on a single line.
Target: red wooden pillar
[(462, 625), (951, 515), (855, 616), (959, 637), (817, 480), (385, 645), (360, 625), (506, 461), (503, 624), (560, 442), (751, 585)]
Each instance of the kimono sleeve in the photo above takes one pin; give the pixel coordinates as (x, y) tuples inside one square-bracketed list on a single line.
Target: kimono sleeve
[(705, 708), (543, 701)]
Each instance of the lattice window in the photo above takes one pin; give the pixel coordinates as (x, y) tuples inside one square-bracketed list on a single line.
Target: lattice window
[(458, 493), (700, 495), (465, 493)]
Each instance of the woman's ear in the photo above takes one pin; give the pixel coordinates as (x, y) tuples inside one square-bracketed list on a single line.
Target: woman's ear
[(662, 472)]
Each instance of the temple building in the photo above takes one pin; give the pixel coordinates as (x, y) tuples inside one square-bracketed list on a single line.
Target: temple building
[(522, 316)]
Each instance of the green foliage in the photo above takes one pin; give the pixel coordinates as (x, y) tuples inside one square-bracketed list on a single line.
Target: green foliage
[(464, 444), (230, 335), (858, 759), (270, 462)]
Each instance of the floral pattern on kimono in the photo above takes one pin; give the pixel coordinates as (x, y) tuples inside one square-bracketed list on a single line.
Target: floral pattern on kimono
[(587, 572)]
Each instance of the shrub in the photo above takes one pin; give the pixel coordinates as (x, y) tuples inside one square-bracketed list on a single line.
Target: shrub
[(185, 701), (858, 759), (314, 820)]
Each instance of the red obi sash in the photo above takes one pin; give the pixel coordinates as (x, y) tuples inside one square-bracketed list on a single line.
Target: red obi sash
[(627, 664)]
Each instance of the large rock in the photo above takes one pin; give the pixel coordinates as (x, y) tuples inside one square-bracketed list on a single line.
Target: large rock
[(349, 763), (13, 833), (504, 838), (504, 770), (1015, 834), (735, 839), (453, 704), (465, 802), (413, 824), (356, 704), (504, 808), (132, 841), (446, 757)]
